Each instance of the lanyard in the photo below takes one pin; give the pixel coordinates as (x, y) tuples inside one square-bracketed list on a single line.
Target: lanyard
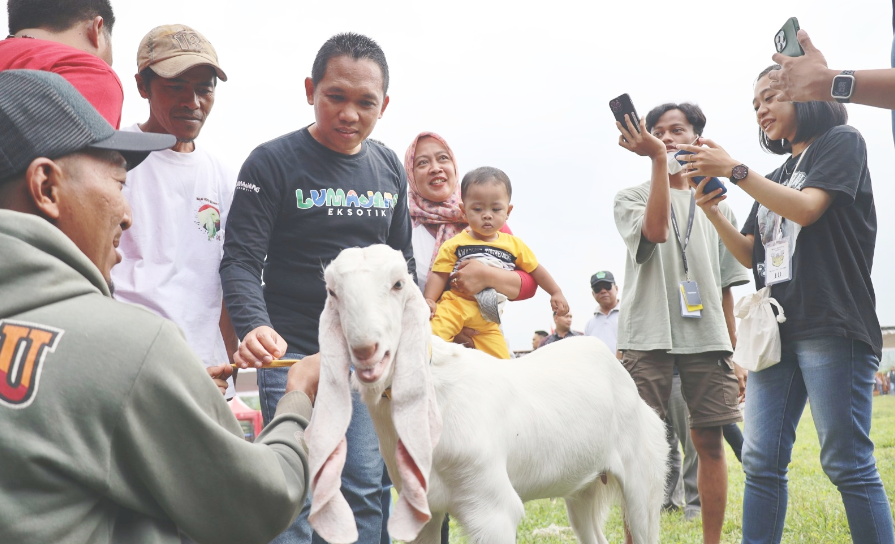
[(686, 240), (777, 233)]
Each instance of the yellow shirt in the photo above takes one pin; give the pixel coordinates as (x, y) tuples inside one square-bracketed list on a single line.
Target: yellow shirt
[(508, 251)]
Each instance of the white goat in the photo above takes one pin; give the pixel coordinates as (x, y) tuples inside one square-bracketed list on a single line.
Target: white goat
[(547, 425)]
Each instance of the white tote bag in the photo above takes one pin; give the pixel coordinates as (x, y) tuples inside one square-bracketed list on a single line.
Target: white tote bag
[(758, 336)]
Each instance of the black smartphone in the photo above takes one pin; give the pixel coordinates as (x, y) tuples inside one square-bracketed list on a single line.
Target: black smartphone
[(786, 40), (622, 105), (714, 183)]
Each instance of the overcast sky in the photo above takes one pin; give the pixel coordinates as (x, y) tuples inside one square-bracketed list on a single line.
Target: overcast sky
[(525, 87)]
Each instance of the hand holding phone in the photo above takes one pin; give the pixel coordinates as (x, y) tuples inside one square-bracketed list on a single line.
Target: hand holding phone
[(622, 105), (786, 41), (713, 184)]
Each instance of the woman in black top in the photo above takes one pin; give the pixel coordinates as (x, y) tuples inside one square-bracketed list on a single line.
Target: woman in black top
[(816, 218)]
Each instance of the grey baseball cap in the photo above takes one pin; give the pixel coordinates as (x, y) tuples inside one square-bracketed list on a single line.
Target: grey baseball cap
[(42, 115)]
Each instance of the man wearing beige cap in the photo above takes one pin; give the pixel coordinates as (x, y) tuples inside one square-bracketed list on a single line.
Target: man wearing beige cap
[(180, 198)]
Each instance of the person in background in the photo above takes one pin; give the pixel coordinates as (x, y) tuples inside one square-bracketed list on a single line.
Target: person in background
[(434, 190), (72, 38), (672, 248), (300, 200), (180, 198), (815, 212), (108, 448), (562, 329), (538, 338), (434, 193), (604, 323)]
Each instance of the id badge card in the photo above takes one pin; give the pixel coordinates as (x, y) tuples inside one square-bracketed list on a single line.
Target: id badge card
[(778, 262), (691, 302)]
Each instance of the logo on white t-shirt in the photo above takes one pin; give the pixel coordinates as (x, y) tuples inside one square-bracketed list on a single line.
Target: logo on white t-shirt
[(209, 219)]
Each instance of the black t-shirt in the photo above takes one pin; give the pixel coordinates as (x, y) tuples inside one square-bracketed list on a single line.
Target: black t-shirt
[(830, 293), (297, 205)]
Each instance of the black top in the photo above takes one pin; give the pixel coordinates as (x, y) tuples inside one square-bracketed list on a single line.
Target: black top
[(299, 204), (830, 293)]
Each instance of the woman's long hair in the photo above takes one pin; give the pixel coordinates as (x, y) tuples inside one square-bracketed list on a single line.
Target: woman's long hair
[(812, 119)]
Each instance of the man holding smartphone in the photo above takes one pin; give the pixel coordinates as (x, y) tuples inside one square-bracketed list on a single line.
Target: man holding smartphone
[(679, 308)]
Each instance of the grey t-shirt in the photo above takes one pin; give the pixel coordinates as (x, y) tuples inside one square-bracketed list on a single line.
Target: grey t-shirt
[(651, 317)]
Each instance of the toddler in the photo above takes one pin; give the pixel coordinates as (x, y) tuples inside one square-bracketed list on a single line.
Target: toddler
[(485, 194)]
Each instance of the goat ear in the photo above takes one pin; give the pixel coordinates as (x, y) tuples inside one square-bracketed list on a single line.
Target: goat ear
[(330, 514), (416, 417)]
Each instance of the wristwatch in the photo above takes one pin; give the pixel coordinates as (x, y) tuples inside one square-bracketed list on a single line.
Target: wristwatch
[(739, 173), (843, 86)]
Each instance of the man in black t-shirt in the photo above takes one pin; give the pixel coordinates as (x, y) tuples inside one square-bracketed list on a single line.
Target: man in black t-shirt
[(301, 199)]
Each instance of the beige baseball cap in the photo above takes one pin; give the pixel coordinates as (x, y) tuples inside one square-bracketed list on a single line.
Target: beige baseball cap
[(171, 50)]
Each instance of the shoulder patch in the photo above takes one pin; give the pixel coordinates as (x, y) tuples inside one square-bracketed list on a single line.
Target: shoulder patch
[(23, 349)]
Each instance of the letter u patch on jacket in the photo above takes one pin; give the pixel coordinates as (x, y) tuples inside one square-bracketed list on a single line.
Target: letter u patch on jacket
[(23, 348)]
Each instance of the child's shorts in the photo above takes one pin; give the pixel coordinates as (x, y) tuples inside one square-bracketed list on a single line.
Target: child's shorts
[(455, 312)]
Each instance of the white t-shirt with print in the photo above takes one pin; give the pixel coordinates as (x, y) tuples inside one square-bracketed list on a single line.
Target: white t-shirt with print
[(172, 252)]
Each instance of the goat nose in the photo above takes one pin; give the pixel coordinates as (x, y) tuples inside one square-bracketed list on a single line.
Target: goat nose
[(363, 353)]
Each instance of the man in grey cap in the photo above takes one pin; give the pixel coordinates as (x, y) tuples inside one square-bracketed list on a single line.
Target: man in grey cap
[(180, 198), (100, 444), (604, 323)]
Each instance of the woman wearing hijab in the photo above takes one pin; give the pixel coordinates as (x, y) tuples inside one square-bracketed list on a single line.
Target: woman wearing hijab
[(436, 215)]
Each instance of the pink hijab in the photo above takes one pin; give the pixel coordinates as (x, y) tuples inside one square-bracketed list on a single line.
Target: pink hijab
[(443, 220)]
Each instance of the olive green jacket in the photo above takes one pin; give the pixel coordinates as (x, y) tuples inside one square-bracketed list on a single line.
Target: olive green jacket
[(110, 428)]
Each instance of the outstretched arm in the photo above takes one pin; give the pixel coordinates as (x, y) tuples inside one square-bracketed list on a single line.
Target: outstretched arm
[(803, 207), (807, 78), (657, 215), (547, 283)]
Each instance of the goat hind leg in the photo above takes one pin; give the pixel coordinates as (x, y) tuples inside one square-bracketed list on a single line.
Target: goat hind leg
[(642, 504)]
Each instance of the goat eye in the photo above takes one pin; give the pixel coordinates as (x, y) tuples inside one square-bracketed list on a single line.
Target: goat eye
[(398, 285), (331, 293)]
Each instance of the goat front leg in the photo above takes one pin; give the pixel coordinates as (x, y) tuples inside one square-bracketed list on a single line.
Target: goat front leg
[(431, 532), (492, 514)]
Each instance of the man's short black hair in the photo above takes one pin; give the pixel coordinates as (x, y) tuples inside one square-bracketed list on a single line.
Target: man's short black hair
[(542, 333), (349, 44), (812, 119), (57, 15), (483, 175), (692, 112)]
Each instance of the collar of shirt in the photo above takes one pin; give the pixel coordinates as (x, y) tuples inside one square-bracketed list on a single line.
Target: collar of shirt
[(615, 309)]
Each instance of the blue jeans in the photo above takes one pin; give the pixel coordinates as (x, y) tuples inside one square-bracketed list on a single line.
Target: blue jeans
[(837, 375), (361, 477)]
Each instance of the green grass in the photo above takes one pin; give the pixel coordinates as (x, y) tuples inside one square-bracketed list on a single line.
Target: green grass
[(815, 512)]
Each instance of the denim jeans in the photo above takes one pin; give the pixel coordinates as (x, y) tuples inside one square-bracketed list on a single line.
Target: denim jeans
[(837, 375), (361, 477)]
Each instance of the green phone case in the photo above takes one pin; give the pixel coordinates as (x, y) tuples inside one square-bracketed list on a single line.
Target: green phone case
[(786, 41)]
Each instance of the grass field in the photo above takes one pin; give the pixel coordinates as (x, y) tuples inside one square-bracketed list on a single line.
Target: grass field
[(815, 513)]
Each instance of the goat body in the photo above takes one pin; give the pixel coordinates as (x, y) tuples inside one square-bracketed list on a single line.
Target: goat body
[(546, 425)]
